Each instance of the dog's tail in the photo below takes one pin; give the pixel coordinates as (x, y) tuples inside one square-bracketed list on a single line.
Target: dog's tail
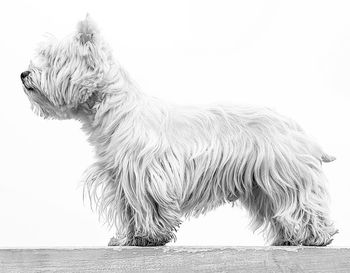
[(327, 158)]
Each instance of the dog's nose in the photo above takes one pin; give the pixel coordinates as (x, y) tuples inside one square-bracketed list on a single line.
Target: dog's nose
[(24, 74)]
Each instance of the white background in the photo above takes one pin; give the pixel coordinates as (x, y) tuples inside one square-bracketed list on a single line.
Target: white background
[(293, 56)]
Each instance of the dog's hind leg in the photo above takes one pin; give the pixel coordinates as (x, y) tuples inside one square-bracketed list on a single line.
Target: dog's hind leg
[(292, 204)]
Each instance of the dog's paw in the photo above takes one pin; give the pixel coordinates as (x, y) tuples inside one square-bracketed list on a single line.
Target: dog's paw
[(141, 241), (324, 240), (284, 243), (115, 241)]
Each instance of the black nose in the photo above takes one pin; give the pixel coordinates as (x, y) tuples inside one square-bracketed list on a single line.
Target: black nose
[(24, 74)]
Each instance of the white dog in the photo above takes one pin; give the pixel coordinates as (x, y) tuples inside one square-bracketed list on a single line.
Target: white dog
[(156, 162)]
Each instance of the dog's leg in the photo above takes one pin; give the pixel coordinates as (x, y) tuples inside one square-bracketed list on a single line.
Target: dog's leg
[(284, 189), (151, 200), (155, 226), (163, 220), (314, 229), (294, 217), (313, 225), (304, 218), (125, 227)]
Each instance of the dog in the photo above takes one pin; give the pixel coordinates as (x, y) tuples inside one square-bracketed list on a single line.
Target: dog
[(157, 163)]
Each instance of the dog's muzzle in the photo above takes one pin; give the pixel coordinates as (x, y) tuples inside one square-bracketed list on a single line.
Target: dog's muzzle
[(24, 75)]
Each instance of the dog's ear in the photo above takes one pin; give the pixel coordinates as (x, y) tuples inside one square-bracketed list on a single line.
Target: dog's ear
[(93, 57), (89, 43), (87, 31)]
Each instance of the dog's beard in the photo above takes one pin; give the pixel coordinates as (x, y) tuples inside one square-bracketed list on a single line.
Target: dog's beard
[(41, 105), (36, 101), (28, 87)]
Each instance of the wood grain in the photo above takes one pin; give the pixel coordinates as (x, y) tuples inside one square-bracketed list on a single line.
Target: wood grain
[(176, 259)]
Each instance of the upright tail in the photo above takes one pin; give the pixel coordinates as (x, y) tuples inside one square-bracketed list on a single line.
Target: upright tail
[(327, 158)]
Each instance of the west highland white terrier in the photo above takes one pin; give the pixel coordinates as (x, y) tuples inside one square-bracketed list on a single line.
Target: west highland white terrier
[(156, 162)]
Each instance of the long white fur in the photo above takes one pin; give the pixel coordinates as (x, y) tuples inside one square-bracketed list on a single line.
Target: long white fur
[(156, 163)]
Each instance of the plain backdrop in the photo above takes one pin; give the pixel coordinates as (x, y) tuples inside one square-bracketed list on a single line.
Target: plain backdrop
[(293, 56)]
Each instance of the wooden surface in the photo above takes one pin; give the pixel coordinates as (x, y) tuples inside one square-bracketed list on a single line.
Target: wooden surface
[(176, 259)]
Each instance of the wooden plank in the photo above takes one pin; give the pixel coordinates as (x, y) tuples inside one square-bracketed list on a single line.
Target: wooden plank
[(176, 259)]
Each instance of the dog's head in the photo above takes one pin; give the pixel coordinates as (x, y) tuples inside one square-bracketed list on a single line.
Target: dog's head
[(66, 77)]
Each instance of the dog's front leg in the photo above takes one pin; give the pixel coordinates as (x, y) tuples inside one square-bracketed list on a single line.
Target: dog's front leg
[(148, 211), (125, 227), (147, 223), (153, 226), (157, 231)]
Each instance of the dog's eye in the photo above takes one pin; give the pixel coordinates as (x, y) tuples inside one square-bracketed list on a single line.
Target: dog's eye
[(30, 89)]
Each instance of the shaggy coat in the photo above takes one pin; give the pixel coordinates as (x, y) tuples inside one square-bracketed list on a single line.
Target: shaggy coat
[(156, 163)]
